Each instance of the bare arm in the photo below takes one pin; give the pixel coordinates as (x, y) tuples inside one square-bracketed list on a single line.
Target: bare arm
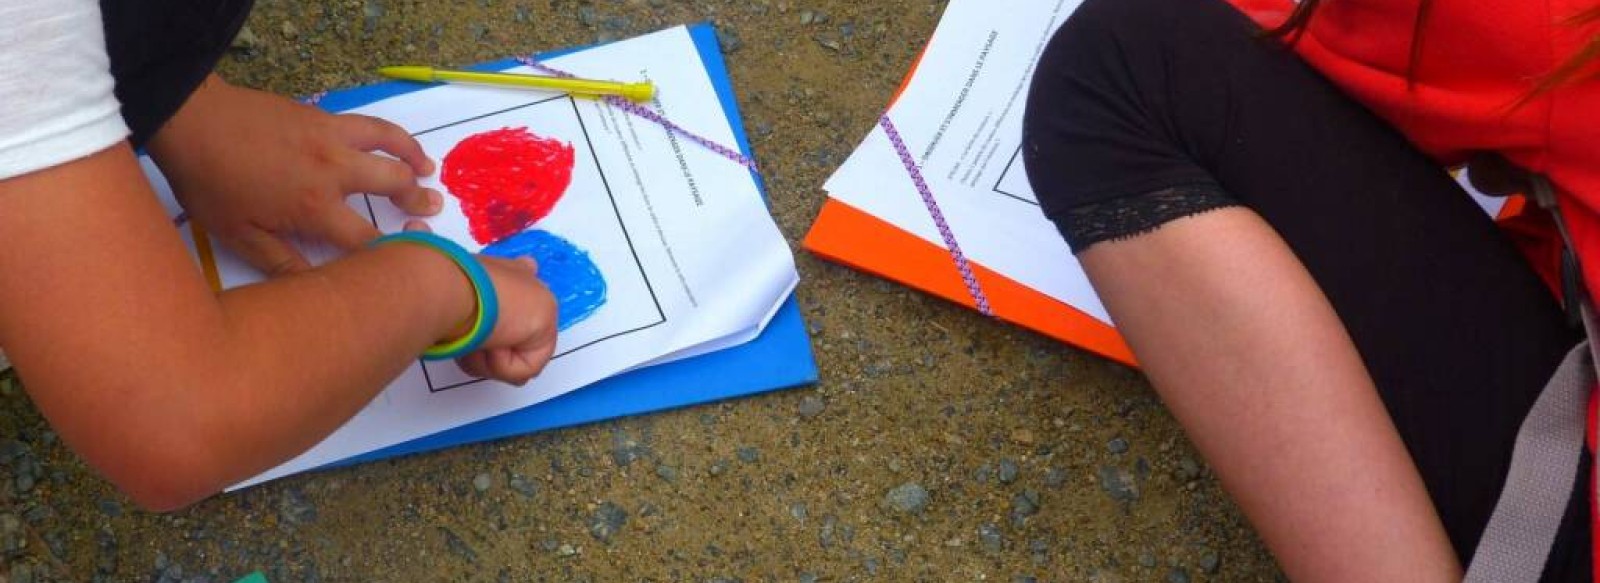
[(1247, 353), (173, 391)]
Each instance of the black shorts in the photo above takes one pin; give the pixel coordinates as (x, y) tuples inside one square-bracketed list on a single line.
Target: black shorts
[(161, 50), (1146, 111)]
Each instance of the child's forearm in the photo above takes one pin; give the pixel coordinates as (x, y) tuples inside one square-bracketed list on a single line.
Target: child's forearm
[(169, 389), (300, 355)]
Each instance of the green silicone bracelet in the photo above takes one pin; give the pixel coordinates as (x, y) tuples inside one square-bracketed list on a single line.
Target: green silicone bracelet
[(482, 286)]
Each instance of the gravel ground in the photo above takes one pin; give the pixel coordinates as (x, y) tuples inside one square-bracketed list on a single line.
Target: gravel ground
[(939, 446)]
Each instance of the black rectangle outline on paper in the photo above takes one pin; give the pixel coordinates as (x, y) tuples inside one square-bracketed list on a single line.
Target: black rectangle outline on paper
[(588, 141), (1014, 158)]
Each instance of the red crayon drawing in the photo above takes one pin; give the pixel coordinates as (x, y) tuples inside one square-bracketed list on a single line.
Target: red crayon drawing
[(507, 179)]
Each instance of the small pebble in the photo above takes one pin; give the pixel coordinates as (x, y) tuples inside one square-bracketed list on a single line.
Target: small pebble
[(1024, 579), (1117, 446), (749, 455), (666, 472), (729, 40), (566, 550), (372, 11), (625, 449), (1008, 471), (606, 521), (1147, 559), (808, 577), (1178, 575), (482, 482), (295, 509), (1188, 469), (983, 474), (910, 498), (27, 475), (989, 537), (246, 39), (811, 405), (825, 536), (1118, 483), (457, 546), (1210, 562), (521, 485), (1024, 505), (110, 508), (718, 467)]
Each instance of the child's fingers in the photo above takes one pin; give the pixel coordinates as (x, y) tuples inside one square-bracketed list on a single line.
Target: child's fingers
[(369, 133), (417, 201), (509, 366), (267, 252), (539, 352), (343, 227), (386, 177)]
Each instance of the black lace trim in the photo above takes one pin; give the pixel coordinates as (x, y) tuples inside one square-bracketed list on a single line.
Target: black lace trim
[(1130, 216)]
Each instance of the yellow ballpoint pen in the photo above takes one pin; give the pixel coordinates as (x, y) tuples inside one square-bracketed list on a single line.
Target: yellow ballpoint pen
[(640, 92)]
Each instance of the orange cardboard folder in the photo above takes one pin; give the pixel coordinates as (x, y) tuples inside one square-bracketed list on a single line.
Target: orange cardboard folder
[(846, 235)]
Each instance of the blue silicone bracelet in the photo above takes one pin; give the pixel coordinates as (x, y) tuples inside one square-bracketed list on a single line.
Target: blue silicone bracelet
[(482, 286)]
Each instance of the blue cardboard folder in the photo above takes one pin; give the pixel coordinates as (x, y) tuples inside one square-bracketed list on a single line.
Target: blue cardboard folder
[(780, 358)]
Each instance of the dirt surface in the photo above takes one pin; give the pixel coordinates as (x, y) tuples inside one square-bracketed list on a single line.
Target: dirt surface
[(939, 446)]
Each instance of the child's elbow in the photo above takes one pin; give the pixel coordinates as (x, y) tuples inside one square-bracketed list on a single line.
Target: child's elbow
[(159, 496), (164, 478)]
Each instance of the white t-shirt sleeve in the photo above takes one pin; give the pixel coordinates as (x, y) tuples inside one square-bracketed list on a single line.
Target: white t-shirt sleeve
[(56, 91)]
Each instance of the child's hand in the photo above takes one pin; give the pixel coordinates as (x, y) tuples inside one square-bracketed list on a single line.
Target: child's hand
[(253, 167), (525, 336)]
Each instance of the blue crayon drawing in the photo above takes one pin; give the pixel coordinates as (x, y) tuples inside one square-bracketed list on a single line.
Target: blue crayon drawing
[(578, 285)]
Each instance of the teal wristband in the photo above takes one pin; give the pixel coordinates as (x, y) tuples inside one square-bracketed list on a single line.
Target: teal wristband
[(482, 286)]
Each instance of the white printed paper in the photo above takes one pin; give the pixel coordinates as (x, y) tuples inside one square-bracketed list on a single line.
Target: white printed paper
[(961, 118), (689, 257)]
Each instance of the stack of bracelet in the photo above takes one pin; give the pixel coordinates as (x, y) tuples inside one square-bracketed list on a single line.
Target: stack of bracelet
[(488, 303)]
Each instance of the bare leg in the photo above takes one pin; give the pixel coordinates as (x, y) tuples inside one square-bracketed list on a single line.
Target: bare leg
[(1253, 361)]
